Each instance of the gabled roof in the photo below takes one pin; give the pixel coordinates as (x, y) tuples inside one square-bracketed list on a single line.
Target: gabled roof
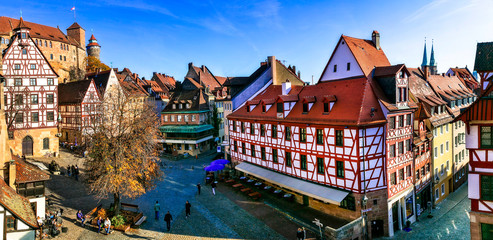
[(366, 54), (466, 77), (203, 76), (100, 79), (479, 110), (197, 98), (17, 205), (37, 31), (72, 92), (355, 99), (484, 57), (389, 70)]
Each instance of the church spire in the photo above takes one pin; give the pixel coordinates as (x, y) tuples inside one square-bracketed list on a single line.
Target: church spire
[(432, 57), (425, 60), (433, 64)]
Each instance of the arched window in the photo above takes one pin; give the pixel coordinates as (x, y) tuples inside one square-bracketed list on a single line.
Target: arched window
[(46, 143)]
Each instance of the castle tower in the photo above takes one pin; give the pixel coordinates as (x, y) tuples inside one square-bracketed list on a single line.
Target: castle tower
[(76, 32), (93, 48), (433, 64)]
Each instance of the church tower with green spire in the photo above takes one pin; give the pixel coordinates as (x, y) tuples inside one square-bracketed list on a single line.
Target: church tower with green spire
[(433, 64), (425, 59)]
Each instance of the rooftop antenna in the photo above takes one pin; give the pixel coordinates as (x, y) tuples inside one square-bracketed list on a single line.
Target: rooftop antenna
[(312, 79)]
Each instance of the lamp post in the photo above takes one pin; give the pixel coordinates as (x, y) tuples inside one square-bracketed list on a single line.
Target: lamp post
[(364, 201), (435, 181), (320, 225)]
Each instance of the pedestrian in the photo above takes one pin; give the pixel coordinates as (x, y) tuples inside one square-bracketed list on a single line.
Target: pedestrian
[(157, 207), (213, 185), (76, 173), (198, 187), (81, 217), (168, 218), (107, 225), (299, 234), (100, 223), (61, 211), (304, 232), (187, 209), (69, 172)]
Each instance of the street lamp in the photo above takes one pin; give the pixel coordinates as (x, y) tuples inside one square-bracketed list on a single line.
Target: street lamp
[(364, 201), (320, 225)]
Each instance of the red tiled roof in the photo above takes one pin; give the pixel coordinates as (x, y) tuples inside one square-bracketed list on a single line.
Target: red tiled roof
[(25, 172), (206, 77), (355, 99), (221, 80), (75, 25), (21, 25), (92, 37), (17, 205), (466, 78), (366, 54), (72, 92), (289, 98), (37, 31), (387, 70)]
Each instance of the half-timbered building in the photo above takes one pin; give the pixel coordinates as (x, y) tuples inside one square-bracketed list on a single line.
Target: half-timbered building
[(342, 146), (79, 105), (479, 142), (31, 96)]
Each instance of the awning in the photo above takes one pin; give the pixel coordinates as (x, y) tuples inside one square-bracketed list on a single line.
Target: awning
[(185, 128), (317, 191)]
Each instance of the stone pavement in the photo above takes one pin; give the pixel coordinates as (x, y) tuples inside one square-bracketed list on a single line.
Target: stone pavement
[(213, 217), (450, 221)]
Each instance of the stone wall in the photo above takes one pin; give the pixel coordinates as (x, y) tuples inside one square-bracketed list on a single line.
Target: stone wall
[(350, 231), (37, 135), (476, 219)]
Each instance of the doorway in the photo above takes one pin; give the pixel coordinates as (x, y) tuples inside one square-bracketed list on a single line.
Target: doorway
[(27, 146), (395, 216)]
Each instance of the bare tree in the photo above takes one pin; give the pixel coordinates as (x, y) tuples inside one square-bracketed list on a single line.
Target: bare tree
[(122, 148)]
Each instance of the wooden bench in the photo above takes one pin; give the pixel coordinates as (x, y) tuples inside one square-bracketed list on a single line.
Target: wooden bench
[(137, 220), (246, 190), (255, 195), (238, 185), (90, 219), (230, 181)]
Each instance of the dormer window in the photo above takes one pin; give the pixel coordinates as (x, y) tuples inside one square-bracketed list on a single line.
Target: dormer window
[(305, 107), (24, 51), (263, 108), (181, 106), (23, 35), (188, 105), (280, 107), (174, 106), (326, 107), (335, 67), (247, 108), (401, 74)]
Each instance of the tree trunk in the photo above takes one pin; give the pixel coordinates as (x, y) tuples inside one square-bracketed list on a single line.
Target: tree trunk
[(116, 203)]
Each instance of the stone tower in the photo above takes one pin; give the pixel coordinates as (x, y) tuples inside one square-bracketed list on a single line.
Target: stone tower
[(93, 48), (76, 32)]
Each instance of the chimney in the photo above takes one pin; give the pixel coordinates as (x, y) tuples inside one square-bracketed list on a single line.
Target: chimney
[(190, 65), (286, 87), (426, 72), (273, 68), (12, 173), (375, 38), (203, 68)]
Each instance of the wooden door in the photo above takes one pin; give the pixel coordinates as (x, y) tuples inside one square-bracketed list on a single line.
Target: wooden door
[(27, 146)]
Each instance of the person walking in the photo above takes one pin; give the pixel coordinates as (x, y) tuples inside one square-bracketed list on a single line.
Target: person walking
[(107, 225), (157, 207), (100, 223), (168, 218), (198, 187), (299, 234), (76, 173), (213, 185), (188, 206)]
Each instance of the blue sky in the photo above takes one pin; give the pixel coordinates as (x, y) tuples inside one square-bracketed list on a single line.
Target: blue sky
[(233, 37)]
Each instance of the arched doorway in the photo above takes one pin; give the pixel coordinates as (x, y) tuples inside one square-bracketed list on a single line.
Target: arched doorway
[(27, 146)]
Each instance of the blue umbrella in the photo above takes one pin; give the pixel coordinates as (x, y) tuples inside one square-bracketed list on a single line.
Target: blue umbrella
[(220, 161), (213, 168)]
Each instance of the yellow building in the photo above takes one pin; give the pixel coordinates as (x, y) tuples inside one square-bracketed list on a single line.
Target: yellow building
[(442, 160)]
